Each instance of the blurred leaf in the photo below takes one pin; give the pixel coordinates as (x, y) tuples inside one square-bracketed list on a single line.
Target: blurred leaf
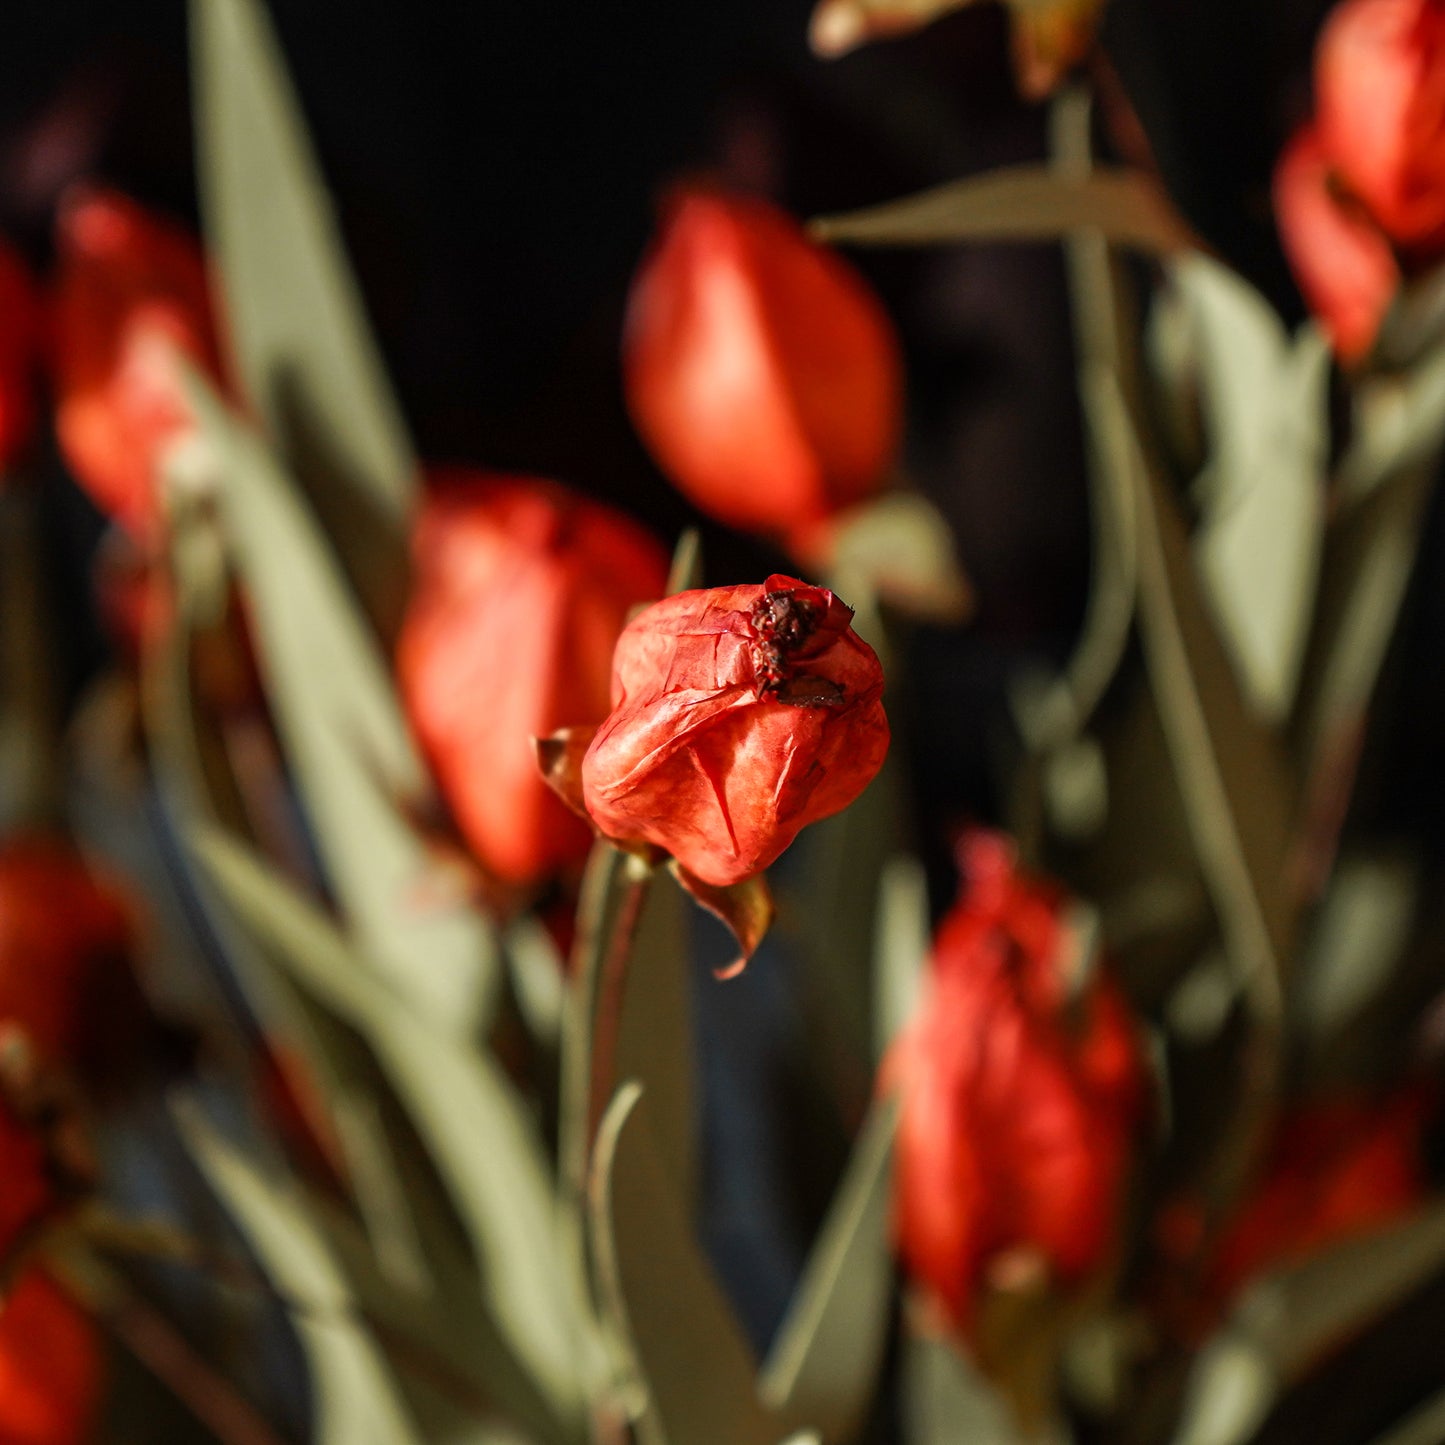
[(1370, 550), (1019, 203), (902, 941), (481, 1137), (1265, 403), (824, 1364), (661, 1295), (685, 572), (1424, 1426), (356, 1399), (1358, 938), (654, 1042), (347, 744), (301, 343), (1234, 776), (539, 977), (947, 1401), (900, 549), (445, 1335), (1290, 1320)]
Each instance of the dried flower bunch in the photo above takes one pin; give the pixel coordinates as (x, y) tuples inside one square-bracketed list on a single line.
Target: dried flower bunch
[(367, 1071)]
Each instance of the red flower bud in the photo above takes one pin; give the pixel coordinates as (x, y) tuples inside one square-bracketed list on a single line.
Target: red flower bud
[(19, 336), (760, 370), (1337, 1169), (65, 960), (521, 589), (1019, 1100), (739, 716), (130, 292), (1342, 262), (51, 1365), (1380, 103)]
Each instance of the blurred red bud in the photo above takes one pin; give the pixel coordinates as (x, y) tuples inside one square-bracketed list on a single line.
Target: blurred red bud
[(1380, 107), (66, 944), (51, 1365), (1019, 1096), (130, 293), (760, 370), (19, 341), (739, 715), (521, 588), (1344, 265), (1337, 1168)]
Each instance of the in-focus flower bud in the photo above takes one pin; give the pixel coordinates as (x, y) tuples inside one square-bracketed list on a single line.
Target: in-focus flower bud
[(66, 944), (1341, 260), (51, 1365), (130, 292), (760, 370), (521, 589), (739, 716), (1380, 107), (19, 339), (1020, 1091)]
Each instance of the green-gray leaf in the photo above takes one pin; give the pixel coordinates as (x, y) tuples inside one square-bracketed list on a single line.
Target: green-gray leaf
[(302, 347)]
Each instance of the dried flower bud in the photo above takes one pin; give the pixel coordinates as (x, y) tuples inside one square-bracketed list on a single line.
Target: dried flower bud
[(1342, 262), (66, 940), (1380, 106), (51, 1366), (521, 589), (130, 293), (1337, 1168), (760, 369), (19, 339), (739, 715), (1018, 1101)]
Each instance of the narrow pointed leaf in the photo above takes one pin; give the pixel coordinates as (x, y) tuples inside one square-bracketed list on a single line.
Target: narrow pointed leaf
[(1019, 203), (662, 1296), (1265, 404), (346, 742), (824, 1364), (479, 1133), (300, 338), (357, 1401)]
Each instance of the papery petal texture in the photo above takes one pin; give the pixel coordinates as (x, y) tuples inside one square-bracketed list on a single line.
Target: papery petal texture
[(740, 715)]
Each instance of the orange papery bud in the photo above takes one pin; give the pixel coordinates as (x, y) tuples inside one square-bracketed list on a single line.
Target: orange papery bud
[(1337, 1168), (521, 589), (760, 370), (739, 716), (1344, 265), (1020, 1091), (51, 1365), (66, 944), (130, 294), (1380, 107), (19, 341)]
